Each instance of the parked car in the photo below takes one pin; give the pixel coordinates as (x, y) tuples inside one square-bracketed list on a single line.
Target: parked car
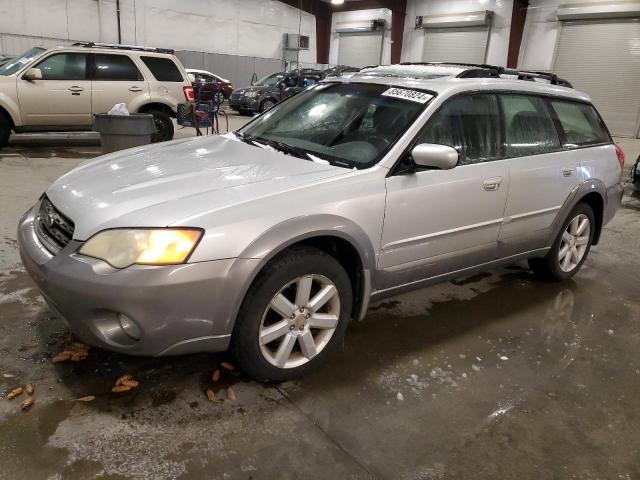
[(203, 82), (339, 70), (269, 90), (60, 89), (269, 240)]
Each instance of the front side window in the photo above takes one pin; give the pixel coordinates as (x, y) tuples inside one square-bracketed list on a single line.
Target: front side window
[(270, 80), (468, 123), (64, 66), (163, 69), (350, 125), (528, 125), (115, 67), (580, 123)]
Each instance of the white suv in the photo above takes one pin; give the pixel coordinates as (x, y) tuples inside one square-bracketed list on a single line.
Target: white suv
[(61, 88)]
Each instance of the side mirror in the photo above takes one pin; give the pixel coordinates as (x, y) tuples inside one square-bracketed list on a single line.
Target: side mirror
[(430, 155), (33, 74)]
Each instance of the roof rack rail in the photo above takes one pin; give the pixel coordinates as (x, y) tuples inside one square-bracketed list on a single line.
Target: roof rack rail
[(123, 47), (484, 70), (532, 75)]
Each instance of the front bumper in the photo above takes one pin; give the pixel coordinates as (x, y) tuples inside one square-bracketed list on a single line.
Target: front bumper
[(178, 309), (243, 103)]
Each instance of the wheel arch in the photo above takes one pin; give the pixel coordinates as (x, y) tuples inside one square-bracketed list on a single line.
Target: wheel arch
[(593, 193), (4, 112), (163, 107), (337, 236), (596, 202)]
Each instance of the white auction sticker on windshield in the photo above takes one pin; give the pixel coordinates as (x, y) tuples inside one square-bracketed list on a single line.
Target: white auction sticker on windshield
[(411, 95)]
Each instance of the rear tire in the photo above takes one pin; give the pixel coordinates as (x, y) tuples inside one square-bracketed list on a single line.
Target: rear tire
[(570, 249), (293, 317), (164, 126), (5, 131)]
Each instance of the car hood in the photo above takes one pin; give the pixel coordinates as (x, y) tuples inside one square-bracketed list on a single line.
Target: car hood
[(168, 184), (245, 90)]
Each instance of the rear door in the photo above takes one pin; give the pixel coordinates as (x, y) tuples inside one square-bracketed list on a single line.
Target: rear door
[(62, 98), (116, 79), (542, 173), (439, 221)]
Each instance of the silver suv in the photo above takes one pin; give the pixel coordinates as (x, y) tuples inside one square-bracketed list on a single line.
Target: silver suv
[(267, 241), (61, 88)]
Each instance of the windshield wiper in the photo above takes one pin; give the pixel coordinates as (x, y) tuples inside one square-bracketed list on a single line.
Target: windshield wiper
[(282, 147), (244, 138)]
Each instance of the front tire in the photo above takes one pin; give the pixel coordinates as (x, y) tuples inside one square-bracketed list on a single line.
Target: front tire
[(164, 126), (5, 131), (267, 104), (293, 317), (571, 247)]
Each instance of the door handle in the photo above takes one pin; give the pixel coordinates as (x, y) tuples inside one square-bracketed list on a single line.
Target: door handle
[(567, 172), (135, 89), (75, 89), (492, 184)]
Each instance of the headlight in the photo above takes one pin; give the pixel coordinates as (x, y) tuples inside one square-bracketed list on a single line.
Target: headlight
[(148, 246), (251, 94)]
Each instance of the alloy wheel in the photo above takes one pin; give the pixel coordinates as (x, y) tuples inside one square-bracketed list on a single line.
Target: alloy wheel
[(299, 321), (574, 243)]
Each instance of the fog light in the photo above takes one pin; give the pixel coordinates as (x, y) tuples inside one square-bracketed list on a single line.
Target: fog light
[(129, 327)]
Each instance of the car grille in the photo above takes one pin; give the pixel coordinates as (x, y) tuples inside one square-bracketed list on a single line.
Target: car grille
[(53, 229)]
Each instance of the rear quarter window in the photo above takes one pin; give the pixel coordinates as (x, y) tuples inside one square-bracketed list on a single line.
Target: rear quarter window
[(163, 69), (580, 123)]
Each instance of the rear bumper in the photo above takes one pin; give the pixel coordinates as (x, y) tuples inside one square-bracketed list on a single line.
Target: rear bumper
[(614, 200), (177, 309)]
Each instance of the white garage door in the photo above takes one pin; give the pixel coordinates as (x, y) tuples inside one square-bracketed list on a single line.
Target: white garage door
[(601, 59), (466, 44), (360, 49)]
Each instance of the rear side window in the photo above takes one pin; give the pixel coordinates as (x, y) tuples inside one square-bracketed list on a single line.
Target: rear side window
[(163, 69), (115, 67), (580, 123), (64, 66), (470, 124), (528, 125)]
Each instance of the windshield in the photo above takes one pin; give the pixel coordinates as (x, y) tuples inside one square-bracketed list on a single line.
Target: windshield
[(16, 64), (269, 80), (349, 125)]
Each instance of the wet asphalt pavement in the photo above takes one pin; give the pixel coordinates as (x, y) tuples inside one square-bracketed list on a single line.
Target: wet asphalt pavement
[(495, 376)]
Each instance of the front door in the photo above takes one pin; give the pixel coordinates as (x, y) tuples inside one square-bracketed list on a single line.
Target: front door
[(116, 79), (62, 98), (440, 221)]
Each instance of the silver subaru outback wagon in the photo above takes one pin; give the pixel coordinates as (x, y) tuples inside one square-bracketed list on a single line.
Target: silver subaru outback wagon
[(268, 240)]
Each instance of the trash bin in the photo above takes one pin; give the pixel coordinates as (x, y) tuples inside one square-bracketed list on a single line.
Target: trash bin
[(118, 132)]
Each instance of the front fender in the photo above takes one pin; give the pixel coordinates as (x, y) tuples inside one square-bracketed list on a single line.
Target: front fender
[(287, 233)]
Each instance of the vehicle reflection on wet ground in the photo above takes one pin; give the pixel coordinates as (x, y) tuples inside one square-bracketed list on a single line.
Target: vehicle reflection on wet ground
[(493, 376)]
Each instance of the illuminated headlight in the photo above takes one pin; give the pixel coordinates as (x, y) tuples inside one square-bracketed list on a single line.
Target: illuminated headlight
[(122, 248), (251, 94)]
